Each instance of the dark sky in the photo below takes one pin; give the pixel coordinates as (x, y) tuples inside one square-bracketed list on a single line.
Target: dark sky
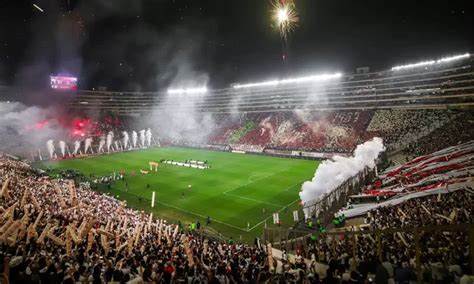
[(151, 44)]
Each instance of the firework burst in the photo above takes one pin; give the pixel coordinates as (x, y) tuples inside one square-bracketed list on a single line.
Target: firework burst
[(285, 16)]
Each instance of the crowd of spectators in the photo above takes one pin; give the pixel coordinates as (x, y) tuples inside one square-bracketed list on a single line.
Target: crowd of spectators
[(444, 254), (53, 231), (342, 131), (458, 130), (399, 125), (337, 131)]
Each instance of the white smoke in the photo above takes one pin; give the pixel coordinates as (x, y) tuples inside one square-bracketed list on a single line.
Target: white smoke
[(125, 139), (332, 173), (134, 139), (50, 146), (148, 137), (87, 145), (101, 144), (62, 147), (77, 146), (179, 116), (110, 137), (24, 128), (142, 138)]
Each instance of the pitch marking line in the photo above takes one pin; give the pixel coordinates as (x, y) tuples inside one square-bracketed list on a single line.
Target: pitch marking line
[(256, 200), (199, 215), (250, 179), (264, 220), (264, 177)]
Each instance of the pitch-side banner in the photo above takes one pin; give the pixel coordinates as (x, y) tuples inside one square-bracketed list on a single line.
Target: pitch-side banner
[(295, 216), (276, 218)]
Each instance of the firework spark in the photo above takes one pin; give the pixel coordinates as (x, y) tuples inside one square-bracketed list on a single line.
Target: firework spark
[(285, 16), (38, 7)]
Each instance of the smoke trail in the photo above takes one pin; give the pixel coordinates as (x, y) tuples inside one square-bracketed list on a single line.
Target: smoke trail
[(110, 137), (87, 145), (50, 146), (134, 138), (142, 138), (62, 146), (331, 174), (101, 144), (77, 146), (125, 140), (148, 137)]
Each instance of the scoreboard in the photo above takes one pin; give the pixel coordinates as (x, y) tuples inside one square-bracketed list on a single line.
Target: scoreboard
[(63, 83)]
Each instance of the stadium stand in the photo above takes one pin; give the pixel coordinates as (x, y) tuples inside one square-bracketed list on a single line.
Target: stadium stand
[(458, 130), (396, 126), (436, 86), (53, 231), (410, 223)]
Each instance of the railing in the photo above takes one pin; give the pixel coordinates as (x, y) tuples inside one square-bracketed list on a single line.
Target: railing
[(299, 240), (325, 208)]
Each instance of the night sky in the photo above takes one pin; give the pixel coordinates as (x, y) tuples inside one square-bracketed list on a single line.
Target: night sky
[(151, 44)]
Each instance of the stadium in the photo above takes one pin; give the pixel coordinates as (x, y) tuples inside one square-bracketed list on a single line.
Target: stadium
[(362, 176)]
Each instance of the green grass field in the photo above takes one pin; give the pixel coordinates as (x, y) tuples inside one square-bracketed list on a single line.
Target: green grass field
[(236, 191)]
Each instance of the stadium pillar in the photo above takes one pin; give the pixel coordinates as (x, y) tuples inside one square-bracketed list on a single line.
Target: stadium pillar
[(417, 256)]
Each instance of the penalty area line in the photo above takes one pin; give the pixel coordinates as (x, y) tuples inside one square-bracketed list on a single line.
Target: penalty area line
[(255, 200), (288, 205), (264, 177)]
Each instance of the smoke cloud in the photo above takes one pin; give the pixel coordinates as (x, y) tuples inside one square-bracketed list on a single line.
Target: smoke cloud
[(178, 116), (101, 144), (24, 129), (77, 147), (332, 173), (125, 139), (62, 146), (134, 138), (87, 145)]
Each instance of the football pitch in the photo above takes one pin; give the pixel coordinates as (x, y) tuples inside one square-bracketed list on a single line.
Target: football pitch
[(239, 192)]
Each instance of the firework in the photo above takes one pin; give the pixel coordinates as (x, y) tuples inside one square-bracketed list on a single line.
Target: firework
[(285, 16), (38, 7)]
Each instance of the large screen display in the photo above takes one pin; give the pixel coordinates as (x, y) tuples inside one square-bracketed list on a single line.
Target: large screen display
[(63, 83)]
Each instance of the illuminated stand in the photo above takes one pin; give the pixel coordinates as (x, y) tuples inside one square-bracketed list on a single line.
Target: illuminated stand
[(431, 62), (306, 79)]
